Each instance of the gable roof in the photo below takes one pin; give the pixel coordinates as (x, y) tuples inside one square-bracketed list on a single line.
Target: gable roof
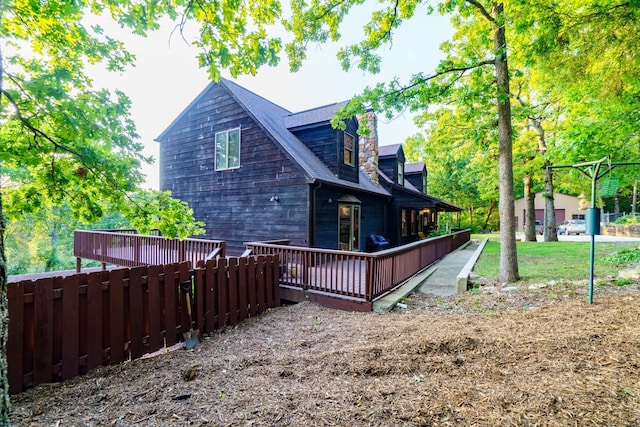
[(389, 150), (320, 115), (275, 121), (416, 167)]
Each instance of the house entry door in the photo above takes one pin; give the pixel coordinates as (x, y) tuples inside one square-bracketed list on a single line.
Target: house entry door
[(349, 227)]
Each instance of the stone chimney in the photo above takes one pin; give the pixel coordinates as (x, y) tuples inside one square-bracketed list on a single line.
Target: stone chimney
[(368, 160)]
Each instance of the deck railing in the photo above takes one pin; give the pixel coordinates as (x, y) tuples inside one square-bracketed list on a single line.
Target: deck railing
[(364, 276), (132, 250)]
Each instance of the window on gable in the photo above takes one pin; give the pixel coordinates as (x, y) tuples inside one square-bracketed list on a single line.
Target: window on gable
[(349, 141), (400, 173), (228, 149)]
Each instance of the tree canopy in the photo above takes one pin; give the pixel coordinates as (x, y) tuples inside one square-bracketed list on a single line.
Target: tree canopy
[(572, 77)]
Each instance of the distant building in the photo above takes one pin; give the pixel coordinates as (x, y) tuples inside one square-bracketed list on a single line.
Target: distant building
[(567, 207)]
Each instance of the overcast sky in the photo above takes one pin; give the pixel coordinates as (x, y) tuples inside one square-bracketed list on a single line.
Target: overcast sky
[(167, 78)]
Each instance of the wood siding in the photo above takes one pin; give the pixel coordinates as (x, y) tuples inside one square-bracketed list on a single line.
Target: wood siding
[(234, 204), (372, 216), (389, 165), (328, 145), (345, 171), (416, 179), (404, 200)]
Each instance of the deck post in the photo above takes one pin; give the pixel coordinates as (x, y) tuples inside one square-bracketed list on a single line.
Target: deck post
[(78, 264)]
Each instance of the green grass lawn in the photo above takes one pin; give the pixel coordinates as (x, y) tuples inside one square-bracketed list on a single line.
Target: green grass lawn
[(544, 261)]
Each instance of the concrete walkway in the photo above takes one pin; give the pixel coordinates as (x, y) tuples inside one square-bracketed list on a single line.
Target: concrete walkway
[(445, 277), (444, 280)]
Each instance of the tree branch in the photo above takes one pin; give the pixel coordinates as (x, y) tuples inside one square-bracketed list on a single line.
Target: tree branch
[(37, 132), (57, 146), (482, 10), (461, 70)]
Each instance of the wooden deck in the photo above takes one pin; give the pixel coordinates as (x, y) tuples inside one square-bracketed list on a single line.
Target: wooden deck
[(340, 279), (353, 280), (131, 250)]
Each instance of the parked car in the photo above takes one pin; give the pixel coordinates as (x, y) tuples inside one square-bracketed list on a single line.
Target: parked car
[(539, 227), (572, 226)]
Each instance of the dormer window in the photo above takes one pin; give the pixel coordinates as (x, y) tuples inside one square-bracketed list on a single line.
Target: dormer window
[(401, 173), (349, 141)]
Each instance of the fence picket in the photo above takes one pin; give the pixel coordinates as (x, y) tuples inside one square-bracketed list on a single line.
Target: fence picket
[(43, 309), (184, 277), (116, 316), (138, 315), (155, 308), (243, 294), (222, 292), (64, 327), (251, 285), (211, 279), (260, 283), (15, 344), (94, 320), (199, 299), (233, 291), (70, 326), (170, 303)]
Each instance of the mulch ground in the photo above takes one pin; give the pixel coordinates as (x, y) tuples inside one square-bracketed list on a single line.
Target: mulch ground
[(537, 356)]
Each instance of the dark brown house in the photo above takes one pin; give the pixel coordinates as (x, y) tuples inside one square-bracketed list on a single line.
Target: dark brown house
[(254, 171)]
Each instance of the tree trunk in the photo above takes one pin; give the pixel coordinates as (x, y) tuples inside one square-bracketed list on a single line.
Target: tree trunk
[(4, 304), (508, 252), (530, 220), (488, 217), (550, 230), (4, 327)]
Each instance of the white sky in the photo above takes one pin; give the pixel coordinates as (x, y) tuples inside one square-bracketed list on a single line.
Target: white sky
[(167, 78)]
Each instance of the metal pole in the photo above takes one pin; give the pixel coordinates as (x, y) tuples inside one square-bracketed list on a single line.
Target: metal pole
[(592, 249), (591, 262), (592, 170)]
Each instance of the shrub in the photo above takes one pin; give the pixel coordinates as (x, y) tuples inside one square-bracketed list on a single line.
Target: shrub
[(626, 219), (625, 256)]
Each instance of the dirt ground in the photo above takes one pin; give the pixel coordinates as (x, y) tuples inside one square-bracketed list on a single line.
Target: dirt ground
[(536, 355)]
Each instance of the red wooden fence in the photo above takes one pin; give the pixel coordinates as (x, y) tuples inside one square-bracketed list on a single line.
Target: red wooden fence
[(65, 326)]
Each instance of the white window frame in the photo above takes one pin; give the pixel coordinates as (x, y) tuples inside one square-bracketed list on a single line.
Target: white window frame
[(215, 142), (355, 224), (345, 149), (401, 173)]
